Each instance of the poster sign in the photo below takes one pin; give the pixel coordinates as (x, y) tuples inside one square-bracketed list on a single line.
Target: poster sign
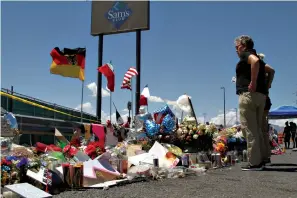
[(111, 17)]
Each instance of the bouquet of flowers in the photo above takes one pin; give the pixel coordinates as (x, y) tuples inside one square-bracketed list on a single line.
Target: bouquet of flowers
[(94, 149), (220, 145), (199, 137)]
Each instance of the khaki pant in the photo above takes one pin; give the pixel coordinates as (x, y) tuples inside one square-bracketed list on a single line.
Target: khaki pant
[(251, 108), (265, 147)]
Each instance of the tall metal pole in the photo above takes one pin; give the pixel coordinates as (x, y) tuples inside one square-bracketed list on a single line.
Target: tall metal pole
[(99, 79), (132, 101), (82, 101), (236, 122), (224, 106), (204, 117), (138, 66), (11, 100), (110, 110)]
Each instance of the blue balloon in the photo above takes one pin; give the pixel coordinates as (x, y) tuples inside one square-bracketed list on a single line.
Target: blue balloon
[(231, 140), (164, 111), (151, 127), (11, 120), (144, 117), (169, 123)]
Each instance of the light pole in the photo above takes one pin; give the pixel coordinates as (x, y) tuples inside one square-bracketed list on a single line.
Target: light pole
[(204, 117), (236, 114), (224, 91)]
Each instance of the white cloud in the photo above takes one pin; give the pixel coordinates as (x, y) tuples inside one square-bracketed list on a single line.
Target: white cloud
[(281, 123), (230, 118), (93, 88), (87, 107), (106, 117), (155, 99), (178, 106), (125, 110)]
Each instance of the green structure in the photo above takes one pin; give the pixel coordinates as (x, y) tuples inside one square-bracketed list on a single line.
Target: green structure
[(18, 107), (38, 124)]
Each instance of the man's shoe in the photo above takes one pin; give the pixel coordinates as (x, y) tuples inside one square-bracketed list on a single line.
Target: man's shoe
[(266, 162), (252, 168)]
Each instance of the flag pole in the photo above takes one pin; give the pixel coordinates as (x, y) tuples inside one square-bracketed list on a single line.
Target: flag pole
[(82, 100), (110, 101), (131, 102)]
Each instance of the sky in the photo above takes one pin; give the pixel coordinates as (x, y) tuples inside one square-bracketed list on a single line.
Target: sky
[(188, 49)]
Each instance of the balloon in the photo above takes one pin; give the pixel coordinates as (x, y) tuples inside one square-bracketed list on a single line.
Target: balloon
[(151, 127), (231, 140), (11, 120), (144, 117), (169, 123), (141, 118), (161, 113)]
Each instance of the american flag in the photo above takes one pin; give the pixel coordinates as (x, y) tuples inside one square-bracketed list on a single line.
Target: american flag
[(127, 78)]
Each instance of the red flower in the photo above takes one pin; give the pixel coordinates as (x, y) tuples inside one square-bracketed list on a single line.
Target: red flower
[(108, 123), (75, 142), (70, 150), (94, 149), (3, 161)]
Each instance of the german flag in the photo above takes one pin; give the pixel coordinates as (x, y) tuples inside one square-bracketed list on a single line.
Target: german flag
[(69, 62)]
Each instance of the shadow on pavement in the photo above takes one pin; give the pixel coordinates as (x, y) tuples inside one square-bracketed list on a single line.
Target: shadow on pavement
[(281, 167)]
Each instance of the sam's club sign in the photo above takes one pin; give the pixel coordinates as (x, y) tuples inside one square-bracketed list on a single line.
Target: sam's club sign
[(118, 14)]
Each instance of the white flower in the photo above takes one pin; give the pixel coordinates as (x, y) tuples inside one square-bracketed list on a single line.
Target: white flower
[(195, 136)]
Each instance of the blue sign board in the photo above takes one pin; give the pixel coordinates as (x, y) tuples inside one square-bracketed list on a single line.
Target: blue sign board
[(118, 14)]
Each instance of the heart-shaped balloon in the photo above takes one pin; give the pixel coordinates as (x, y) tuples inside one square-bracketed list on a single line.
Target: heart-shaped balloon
[(161, 113), (151, 127), (169, 123), (11, 120), (140, 120)]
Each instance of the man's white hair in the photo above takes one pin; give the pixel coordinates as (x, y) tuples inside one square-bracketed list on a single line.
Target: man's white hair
[(261, 56)]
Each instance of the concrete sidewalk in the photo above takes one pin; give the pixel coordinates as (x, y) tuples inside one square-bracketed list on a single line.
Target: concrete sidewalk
[(227, 182)]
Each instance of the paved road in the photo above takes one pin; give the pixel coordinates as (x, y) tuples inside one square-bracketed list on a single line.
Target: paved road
[(229, 182)]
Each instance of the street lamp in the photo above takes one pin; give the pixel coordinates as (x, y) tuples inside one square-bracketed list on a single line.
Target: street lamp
[(204, 117), (236, 116), (224, 106)]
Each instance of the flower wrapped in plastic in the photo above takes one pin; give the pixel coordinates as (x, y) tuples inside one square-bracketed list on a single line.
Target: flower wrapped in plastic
[(70, 151), (210, 128), (94, 149), (220, 147), (173, 149), (201, 127)]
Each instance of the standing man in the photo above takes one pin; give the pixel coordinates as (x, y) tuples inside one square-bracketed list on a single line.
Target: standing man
[(265, 147), (251, 88), (287, 135), (293, 133)]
